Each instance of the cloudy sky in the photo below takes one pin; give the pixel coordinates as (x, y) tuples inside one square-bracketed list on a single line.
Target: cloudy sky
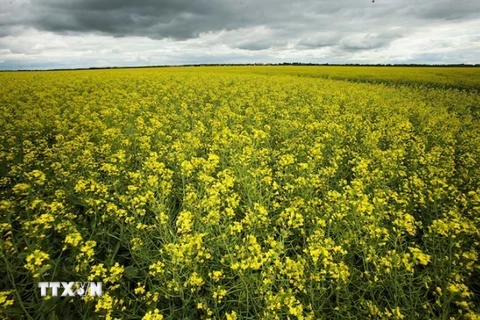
[(43, 34)]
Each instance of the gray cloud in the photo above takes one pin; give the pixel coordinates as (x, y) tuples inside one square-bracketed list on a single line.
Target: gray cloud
[(444, 9), (281, 28), (320, 40), (368, 41), (184, 19), (255, 45), (156, 19)]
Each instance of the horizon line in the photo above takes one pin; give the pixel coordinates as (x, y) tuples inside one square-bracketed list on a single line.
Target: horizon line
[(445, 65)]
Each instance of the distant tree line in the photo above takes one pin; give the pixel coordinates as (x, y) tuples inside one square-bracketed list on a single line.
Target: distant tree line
[(270, 64)]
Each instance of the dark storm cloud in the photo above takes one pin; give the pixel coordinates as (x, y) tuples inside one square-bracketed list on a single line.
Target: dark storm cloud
[(184, 19), (155, 19), (349, 25), (177, 19)]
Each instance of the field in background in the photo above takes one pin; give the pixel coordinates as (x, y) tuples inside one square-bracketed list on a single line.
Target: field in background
[(462, 78), (242, 192)]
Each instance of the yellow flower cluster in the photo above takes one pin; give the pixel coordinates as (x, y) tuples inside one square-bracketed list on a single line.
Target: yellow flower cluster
[(153, 315), (5, 300), (37, 263), (242, 192)]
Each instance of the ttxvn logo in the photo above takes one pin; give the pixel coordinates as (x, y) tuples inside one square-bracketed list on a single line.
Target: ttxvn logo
[(71, 289)]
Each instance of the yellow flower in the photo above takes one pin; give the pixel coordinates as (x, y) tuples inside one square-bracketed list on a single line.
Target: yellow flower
[(36, 262), (21, 188), (231, 316), (4, 299), (419, 256), (153, 315)]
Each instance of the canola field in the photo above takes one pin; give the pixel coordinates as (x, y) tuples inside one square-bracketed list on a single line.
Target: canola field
[(242, 193)]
